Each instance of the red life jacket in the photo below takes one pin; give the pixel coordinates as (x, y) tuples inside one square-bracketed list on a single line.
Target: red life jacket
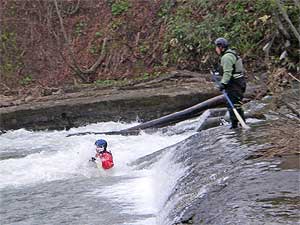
[(106, 159)]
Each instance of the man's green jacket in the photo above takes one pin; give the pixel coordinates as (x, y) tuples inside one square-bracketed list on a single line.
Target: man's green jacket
[(232, 66)]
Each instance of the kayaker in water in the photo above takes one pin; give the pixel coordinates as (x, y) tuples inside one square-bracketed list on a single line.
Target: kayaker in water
[(103, 154)]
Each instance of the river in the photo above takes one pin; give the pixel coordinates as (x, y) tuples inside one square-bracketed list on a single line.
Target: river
[(162, 177), (46, 177)]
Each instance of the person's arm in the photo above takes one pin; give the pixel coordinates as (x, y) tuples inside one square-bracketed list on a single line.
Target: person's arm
[(93, 159)]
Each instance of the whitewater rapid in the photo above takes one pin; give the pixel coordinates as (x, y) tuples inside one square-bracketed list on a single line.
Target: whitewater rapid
[(35, 160)]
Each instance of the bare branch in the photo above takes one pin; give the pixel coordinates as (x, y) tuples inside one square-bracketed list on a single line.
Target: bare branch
[(268, 46), (70, 51), (49, 24), (294, 77), (281, 27), (287, 19), (73, 10), (99, 60), (73, 68)]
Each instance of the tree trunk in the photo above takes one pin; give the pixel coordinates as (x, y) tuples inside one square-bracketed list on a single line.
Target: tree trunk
[(287, 19)]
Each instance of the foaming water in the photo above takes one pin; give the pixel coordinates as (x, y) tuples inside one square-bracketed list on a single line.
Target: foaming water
[(50, 159)]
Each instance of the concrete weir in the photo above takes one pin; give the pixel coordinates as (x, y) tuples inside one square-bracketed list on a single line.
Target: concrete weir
[(146, 101), (61, 115), (178, 96)]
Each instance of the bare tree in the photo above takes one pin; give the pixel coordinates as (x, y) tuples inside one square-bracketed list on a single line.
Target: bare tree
[(81, 73)]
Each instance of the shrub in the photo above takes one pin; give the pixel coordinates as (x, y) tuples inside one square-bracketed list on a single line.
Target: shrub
[(119, 7)]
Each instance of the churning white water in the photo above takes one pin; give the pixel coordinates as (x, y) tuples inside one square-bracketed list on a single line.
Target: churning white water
[(46, 177)]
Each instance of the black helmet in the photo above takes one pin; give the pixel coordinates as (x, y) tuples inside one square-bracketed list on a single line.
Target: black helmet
[(221, 42)]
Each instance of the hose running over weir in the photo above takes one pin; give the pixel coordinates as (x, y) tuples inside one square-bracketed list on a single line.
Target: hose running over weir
[(165, 120), (188, 113)]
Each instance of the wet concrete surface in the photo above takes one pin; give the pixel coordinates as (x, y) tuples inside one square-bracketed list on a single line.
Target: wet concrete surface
[(228, 189), (223, 185)]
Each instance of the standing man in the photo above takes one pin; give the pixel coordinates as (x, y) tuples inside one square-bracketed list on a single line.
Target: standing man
[(233, 81)]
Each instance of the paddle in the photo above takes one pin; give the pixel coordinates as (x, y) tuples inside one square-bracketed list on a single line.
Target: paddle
[(238, 116)]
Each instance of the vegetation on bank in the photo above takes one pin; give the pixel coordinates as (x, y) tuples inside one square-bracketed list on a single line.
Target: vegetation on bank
[(52, 43)]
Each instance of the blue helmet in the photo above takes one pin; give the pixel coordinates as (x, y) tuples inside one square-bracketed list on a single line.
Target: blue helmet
[(221, 42), (101, 143)]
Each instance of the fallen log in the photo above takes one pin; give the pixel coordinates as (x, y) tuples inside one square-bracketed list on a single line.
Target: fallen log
[(174, 117), (166, 120), (181, 115)]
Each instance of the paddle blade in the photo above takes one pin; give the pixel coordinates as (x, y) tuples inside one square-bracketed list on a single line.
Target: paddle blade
[(240, 119)]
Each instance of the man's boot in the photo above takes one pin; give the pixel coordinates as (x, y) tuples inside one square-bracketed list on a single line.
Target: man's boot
[(233, 119)]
